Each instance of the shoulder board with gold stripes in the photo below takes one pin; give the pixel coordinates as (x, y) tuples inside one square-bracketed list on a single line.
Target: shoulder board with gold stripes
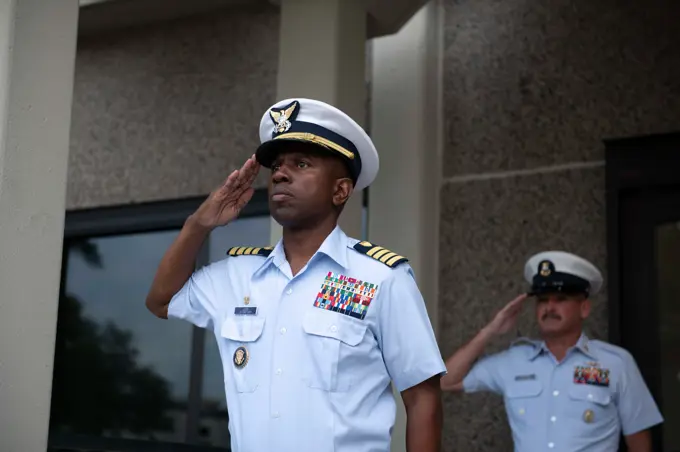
[(250, 251), (380, 254)]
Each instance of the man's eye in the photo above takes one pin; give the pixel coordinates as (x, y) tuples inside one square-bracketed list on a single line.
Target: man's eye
[(275, 167), (302, 165)]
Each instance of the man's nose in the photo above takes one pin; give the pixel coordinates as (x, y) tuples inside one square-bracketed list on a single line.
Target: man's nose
[(551, 303), (281, 174)]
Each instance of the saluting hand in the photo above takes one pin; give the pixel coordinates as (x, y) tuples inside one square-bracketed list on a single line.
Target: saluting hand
[(225, 203), (506, 318)]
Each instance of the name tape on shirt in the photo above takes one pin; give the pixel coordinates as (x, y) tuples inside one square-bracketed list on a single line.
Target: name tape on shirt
[(245, 310)]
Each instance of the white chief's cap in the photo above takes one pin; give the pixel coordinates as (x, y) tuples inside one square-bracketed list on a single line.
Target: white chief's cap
[(329, 128), (557, 271)]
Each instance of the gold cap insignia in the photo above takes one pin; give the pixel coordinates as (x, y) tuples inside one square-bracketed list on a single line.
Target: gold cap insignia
[(241, 357), (588, 416), (545, 268), (282, 118)]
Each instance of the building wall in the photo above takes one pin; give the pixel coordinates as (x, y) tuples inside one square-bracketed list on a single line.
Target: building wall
[(530, 91), (168, 111)]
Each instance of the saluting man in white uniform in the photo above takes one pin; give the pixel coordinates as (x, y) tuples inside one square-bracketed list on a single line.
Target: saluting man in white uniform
[(312, 331), (563, 392)]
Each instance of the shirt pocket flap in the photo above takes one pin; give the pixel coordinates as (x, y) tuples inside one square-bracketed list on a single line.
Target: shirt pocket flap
[(589, 393), (246, 329), (320, 322), (521, 389)]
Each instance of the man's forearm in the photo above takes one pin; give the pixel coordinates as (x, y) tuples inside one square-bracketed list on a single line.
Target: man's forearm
[(460, 363), (176, 267), (639, 442), (423, 404), (424, 426)]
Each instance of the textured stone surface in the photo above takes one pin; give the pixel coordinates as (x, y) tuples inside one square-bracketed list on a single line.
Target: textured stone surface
[(488, 230), (530, 84), (168, 111)]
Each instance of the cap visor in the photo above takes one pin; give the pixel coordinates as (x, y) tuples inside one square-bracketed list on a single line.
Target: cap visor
[(267, 152)]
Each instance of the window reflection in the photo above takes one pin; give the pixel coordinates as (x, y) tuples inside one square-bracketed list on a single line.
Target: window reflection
[(119, 371), (668, 292)]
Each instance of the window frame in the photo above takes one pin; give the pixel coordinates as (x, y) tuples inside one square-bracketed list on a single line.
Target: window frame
[(155, 216)]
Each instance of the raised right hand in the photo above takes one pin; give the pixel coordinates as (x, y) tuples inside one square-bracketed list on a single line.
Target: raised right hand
[(225, 203), (506, 318)]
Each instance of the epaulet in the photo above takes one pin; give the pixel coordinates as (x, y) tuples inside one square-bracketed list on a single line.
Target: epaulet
[(380, 254), (250, 251)]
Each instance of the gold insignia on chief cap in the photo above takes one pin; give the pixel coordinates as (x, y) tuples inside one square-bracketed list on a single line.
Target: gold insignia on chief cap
[(282, 117), (545, 268), (241, 357), (588, 416)]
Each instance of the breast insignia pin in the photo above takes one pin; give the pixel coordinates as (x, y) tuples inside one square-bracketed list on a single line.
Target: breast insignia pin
[(241, 357), (588, 416), (246, 300)]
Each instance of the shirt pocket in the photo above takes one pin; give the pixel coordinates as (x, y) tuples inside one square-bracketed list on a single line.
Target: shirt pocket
[(591, 404), (522, 399), (332, 338), (242, 335)]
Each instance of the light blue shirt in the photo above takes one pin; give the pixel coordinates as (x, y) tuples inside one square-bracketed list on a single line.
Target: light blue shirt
[(318, 372), (583, 403)]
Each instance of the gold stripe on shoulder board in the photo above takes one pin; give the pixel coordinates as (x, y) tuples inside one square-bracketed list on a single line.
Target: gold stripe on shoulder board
[(250, 251), (379, 253)]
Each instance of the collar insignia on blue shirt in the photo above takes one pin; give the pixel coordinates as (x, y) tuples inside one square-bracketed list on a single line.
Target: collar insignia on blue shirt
[(263, 251), (241, 357), (525, 377), (345, 295), (380, 254), (591, 375), (282, 118)]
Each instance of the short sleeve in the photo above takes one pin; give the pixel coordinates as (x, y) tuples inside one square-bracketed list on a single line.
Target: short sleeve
[(486, 374), (405, 333), (195, 301), (637, 409)]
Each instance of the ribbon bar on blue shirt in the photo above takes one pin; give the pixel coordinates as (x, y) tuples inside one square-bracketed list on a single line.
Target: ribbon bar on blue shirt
[(245, 310)]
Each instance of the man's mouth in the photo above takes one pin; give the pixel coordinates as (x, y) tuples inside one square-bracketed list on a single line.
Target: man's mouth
[(281, 195), (551, 316)]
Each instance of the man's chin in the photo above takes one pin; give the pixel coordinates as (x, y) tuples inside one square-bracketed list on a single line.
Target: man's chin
[(550, 328), (286, 216)]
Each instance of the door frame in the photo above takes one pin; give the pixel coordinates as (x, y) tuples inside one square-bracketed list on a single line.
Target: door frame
[(638, 169)]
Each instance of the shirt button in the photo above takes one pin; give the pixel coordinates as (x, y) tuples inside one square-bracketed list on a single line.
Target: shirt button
[(590, 397), (283, 330), (279, 371), (521, 411), (556, 393), (553, 419), (289, 291), (275, 414), (334, 328), (551, 445)]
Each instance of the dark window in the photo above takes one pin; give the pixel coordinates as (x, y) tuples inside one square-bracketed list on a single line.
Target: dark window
[(124, 380), (643, 204)]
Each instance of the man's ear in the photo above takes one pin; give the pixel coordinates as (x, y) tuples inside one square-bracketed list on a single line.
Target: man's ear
[(343, 190), (585, 308)]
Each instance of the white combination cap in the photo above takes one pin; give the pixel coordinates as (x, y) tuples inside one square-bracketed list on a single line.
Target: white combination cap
[(558, 271), (319, 123)]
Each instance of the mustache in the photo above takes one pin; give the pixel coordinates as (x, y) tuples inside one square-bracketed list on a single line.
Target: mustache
[(551, 315)]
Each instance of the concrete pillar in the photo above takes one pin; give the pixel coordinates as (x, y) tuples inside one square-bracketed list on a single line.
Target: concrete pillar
[(37, 57), (322, 55), (403, 207)]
